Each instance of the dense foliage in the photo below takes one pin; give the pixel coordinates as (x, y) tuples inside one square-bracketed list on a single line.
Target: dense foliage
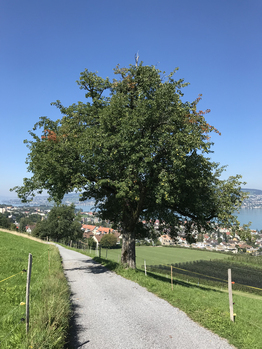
[(139, 150), (108, 241), (61, 223), (5, 222)]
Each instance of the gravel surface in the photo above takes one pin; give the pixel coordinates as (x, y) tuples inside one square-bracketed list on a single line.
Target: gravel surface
[(111, 312)]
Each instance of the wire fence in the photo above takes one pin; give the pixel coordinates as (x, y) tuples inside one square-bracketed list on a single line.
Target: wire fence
[(15, 317), (12, 319), (214, 273), (203, 273), (211, 273)]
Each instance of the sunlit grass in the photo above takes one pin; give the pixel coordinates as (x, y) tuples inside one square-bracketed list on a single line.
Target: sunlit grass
[(159, 255), (49, 295)]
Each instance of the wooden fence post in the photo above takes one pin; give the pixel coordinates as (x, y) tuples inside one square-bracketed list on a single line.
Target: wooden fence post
[(48, 259), (145, 267), (172, 277), (28, 290), (231, 311)]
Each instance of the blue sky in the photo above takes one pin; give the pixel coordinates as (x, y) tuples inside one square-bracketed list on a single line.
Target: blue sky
[(216, 45)]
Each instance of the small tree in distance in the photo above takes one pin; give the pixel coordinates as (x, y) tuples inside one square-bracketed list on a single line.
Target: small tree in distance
[(108, 241), (61, 223), (91, 243), (139, 151)]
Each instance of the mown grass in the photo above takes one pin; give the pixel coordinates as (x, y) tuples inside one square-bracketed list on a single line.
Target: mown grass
[(207, 305), (49, 295), (161, 255)]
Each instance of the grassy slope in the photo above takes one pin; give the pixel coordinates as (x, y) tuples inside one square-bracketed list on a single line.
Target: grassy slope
[(49, 305)]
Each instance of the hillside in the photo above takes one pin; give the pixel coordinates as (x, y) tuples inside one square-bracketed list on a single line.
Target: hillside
[(252, 191)]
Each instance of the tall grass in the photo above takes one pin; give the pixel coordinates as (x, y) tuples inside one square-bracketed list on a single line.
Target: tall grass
[(49, 295)]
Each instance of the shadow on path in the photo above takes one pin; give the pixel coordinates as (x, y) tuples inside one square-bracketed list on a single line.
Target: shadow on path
[(90, 267), (72, 340)]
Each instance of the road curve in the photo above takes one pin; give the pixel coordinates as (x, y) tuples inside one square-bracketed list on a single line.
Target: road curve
[(111, 312)]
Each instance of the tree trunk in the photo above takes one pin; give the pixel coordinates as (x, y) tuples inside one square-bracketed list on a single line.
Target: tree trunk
[(128, 255)]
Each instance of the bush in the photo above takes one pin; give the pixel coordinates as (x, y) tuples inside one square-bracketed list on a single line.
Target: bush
[(108, 241)]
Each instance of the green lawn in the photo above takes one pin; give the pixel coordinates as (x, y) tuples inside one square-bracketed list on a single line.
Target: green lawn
[(163, 255), (49, 295)]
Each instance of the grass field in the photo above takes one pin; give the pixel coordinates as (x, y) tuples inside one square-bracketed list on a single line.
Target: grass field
[(49, 305), (162, 255)]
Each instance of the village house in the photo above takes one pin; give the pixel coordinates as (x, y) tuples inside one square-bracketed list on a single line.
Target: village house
[(30, 228), (166, 240), (98, 232), (88, 228)]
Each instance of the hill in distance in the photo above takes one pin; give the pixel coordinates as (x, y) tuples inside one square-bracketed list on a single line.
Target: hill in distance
[(252, 191)]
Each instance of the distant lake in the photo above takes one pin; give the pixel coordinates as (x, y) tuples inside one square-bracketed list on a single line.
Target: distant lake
[(244, 216), (251, 215), (85, 208)]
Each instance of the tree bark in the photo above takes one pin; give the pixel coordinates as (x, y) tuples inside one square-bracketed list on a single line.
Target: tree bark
[(128, 255)]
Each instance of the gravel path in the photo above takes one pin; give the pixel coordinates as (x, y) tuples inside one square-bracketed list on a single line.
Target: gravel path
[(111, 312)]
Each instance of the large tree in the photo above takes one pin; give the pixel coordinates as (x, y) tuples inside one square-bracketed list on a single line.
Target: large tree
[(139, 150)]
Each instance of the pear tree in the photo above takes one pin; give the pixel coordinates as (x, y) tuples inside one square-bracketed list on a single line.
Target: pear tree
[(139, 150)]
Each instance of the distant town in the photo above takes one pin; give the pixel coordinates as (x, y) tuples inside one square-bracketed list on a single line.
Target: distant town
[(219, 240), (42, 200), (254, 199)]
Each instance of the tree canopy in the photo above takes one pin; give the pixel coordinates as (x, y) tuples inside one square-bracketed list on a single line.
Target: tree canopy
[(5, 222), (61, 223), (139, 150)]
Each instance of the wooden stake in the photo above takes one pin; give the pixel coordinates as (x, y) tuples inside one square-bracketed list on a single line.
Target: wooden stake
[(48, 259), (145, 267), (172, 277), (231, 311), (28, 290)]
